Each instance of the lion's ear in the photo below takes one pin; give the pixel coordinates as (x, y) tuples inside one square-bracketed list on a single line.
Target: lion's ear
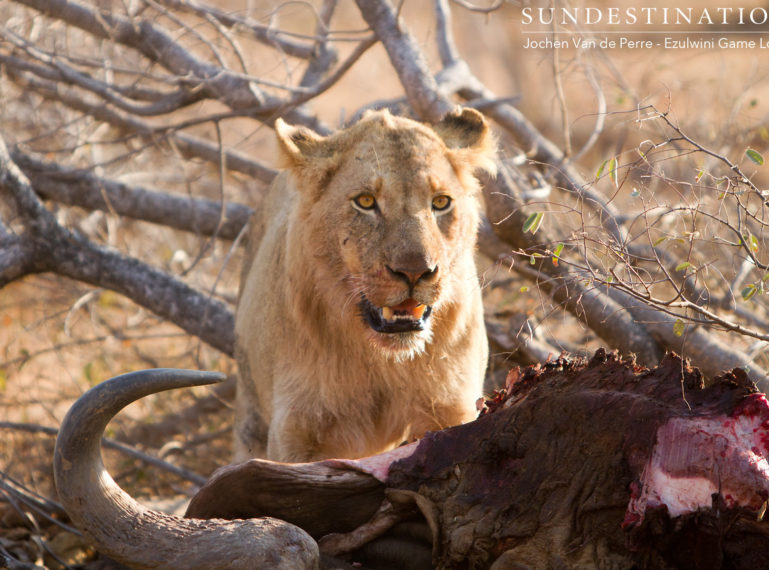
[(307, 153), (466, 133), (298, 143)]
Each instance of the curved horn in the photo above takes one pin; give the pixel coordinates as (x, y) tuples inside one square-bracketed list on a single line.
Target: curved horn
[(134, 535)]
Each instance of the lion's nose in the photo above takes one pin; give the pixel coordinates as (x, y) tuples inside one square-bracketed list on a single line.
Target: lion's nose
[(411, 274)]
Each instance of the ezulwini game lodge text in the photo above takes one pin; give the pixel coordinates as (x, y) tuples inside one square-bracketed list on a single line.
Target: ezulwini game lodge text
[(630, 42)]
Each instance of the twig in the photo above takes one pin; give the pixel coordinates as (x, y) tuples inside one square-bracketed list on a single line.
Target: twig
[(57, 70), (324, 55), (473, 8), (117, 446), (447, 47), (153, 42), (46, 508), (600, 115), (733, 167), (261, 33), (561, 97), (188, 145)]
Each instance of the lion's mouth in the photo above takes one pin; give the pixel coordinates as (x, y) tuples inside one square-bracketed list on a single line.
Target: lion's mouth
[(408, 316)]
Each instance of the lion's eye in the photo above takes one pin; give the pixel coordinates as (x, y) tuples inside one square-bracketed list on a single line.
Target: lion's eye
[(441, 202), (365, 201)]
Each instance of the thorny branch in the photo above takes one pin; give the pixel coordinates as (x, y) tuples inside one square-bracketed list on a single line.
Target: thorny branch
[(643, 335)]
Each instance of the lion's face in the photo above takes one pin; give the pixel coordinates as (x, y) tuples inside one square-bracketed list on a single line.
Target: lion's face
[(392, 219)]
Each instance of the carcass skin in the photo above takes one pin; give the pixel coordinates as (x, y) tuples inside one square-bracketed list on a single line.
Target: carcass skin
[(599, 464)]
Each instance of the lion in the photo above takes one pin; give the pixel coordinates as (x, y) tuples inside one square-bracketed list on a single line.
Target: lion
[(360, 321)]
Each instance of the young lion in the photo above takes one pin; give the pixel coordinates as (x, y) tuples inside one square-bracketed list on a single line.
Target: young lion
[(360, 322)]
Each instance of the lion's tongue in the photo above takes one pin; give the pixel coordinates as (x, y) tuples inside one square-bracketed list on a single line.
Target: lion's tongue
[(409, 307)]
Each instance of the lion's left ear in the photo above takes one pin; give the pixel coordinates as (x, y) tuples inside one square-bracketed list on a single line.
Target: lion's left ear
[(467, 135)]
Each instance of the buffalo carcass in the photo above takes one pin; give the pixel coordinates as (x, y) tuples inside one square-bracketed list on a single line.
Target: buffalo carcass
[(598, 464)]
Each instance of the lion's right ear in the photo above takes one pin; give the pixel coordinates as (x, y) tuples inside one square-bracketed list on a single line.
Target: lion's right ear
[(304, 151)]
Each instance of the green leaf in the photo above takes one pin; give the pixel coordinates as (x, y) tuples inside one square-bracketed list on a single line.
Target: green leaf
[(537, 222), (600, 169), (748, 292), (682, 266), (24, 355), (533, 222), (679, 327), (613, 170), (532, 259), (3, 380), (755, 156), (88, 374), (659, 241), (753, 243), (524, 289)]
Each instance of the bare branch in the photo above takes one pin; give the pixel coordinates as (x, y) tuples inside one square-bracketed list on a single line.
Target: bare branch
[(447, 47), (56, 70), (156, 290), (69, 254), (76, 187), (109, 443), (708, 352), (483, 10), (407, 59), (16, 257), (264, 34), (324, 56), (600, 115), (590, 305), (189, 146), (237, 91)]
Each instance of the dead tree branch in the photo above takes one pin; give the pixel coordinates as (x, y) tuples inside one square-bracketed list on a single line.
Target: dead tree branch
[(82, 188), (123, 448), (47, 246)]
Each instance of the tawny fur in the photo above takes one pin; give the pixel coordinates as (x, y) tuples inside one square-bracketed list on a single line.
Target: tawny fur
[(310, 367)]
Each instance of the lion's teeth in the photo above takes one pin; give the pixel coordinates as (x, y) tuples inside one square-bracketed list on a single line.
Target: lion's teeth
[(415, 313)]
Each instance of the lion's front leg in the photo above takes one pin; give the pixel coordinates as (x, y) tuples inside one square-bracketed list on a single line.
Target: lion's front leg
[(293, 439), (250, 432), (440, 416)]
